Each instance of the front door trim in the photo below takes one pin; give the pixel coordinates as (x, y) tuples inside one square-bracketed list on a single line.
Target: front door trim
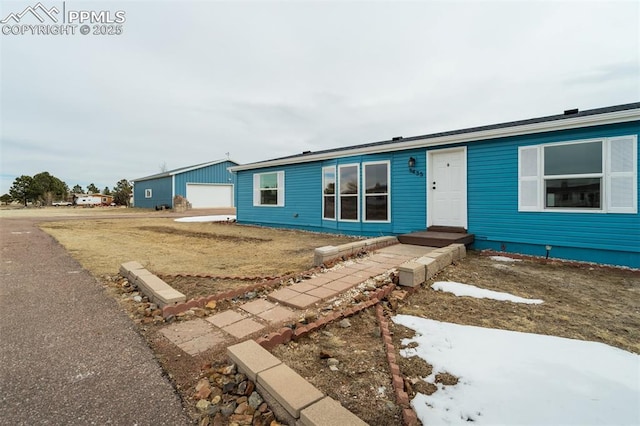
[(463, 188)]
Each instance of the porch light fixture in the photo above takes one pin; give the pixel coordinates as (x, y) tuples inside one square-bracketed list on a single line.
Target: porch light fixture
[(412, 162)]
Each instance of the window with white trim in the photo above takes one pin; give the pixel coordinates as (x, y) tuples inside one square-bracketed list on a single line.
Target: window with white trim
[(376, 191), (148, 193), (594, 175), (329, 193), (268, 189), (348, 179)]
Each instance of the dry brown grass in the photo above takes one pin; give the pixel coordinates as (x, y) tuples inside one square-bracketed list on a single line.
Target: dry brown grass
[(167, 247), (583, 302)]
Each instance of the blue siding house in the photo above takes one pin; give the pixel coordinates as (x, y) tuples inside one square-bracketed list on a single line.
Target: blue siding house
[(566, 185), (206, 185)]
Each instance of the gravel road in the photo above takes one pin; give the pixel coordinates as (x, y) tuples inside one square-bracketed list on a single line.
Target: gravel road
[(68, 353)]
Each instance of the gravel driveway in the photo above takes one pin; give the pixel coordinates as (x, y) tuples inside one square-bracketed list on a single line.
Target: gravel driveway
[(68, 353)]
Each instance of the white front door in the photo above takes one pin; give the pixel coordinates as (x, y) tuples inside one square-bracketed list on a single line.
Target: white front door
[(447, 187)]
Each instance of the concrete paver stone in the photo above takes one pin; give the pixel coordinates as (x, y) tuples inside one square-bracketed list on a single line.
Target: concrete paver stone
[(277, 315), (322, 293), (358, 266), (225, 318), (301, 287), (377, 270), (243, 328), (283, 294), (340, 285), (251, 358), (256, 306), (318, 280), (182, 332), (203, 343), (332, 275), (350, 279), (290, 389), (328, 412), (301, 301)]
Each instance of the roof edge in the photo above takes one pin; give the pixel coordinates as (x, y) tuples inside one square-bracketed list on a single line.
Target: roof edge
[(554, 123), (183, 170)]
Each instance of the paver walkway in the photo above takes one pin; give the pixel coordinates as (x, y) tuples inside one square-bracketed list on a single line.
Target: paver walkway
[(285, 304), (69, 355)]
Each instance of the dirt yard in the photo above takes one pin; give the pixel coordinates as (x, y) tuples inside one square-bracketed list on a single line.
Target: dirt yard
[(582, 302), (166, 247)]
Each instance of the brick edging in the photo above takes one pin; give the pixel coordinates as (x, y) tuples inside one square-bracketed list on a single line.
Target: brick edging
[(271, 283), (220, 277), (408, 415), (286, 334), (202, 301)]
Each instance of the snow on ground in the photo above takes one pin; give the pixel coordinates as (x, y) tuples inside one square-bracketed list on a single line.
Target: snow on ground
[(217, 218), (504, 259), (480, 293), (511, 378)]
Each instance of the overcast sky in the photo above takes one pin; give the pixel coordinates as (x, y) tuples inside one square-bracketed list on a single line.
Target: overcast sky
[(187, 82)]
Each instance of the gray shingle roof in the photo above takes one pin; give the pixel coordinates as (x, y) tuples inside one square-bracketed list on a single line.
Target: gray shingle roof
[(570, 114)]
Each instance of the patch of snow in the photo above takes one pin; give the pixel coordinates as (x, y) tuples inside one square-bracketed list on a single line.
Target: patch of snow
[(504, 259), (215, 218), (480, 293), (507, 377)]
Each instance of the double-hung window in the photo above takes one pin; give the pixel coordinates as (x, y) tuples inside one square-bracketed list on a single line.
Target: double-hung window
[(573, 175), (594, 175), (329, 192), (268, 189), (148, 193), (376, 191), (348, 176)]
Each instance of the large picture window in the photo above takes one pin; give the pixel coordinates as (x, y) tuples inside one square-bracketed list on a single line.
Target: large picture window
[(573, 175), (349, 192), (376, 192), (594, 175), (329, 192), (268, 189)]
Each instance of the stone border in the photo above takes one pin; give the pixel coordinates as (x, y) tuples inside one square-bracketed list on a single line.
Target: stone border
[(202, 301), (416, 272), (298, 401), (153, 287), (328, 254)]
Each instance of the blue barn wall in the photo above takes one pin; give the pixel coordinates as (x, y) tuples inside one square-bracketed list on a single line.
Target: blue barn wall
[(216, 173), (168, 185), (160, 191), (492, 202)]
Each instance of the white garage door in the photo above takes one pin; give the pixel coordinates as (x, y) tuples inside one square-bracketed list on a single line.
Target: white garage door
[(207, 196)]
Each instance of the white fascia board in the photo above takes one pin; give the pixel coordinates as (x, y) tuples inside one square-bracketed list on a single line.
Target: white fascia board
[(188, 169), (501, 132)]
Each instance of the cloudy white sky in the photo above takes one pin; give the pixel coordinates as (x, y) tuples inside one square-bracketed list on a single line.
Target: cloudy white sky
[(187, 82)]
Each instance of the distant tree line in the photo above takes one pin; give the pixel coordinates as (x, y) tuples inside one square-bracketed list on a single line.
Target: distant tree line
[(45, 189)]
